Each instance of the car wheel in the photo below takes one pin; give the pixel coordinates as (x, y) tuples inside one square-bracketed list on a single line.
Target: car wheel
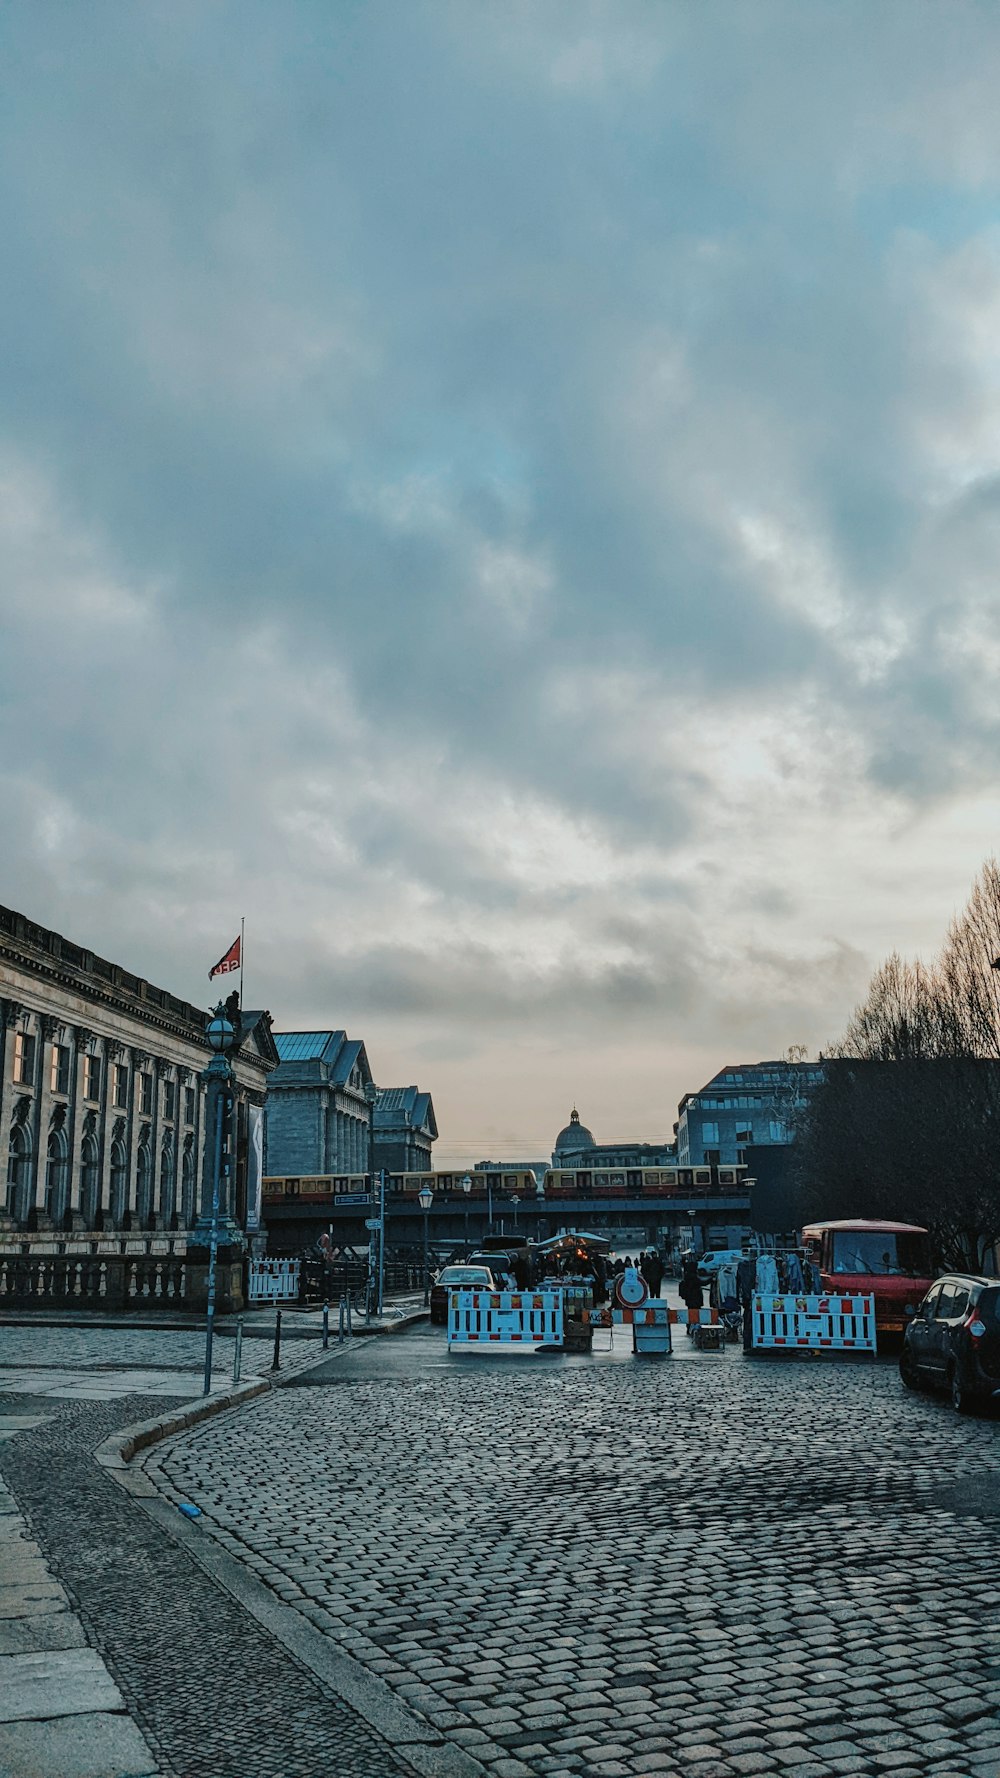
[(909, 1370), (961, 1397)]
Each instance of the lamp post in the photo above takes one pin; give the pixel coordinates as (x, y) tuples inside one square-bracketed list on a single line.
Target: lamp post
[(376, 1274), (693, 1213), (515, 1200), (425, 1198), (467, 1188), (222, 1036)]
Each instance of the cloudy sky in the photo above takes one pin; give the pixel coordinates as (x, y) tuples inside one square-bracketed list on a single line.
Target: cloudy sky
[(505, 496)]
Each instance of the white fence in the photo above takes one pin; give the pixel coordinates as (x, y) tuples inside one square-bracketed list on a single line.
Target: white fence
[(273, 1280), (835, 1323), (505, 1317)]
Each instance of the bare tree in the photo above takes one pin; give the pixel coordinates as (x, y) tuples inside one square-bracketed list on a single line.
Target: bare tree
[(907, 1123)]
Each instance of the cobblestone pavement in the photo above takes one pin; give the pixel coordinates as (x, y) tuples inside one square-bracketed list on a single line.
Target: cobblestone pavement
[(93, 1363), (611, 1567), (214, 1694)]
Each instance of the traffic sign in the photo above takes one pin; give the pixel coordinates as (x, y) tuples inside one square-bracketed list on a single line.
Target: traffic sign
[(352, 1197), (373, 1222)]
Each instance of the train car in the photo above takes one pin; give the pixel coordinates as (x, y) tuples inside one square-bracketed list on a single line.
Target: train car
[(651, 1182), (326, 1188)]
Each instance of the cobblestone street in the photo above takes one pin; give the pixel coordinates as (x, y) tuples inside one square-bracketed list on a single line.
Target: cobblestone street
[(707, 1567)]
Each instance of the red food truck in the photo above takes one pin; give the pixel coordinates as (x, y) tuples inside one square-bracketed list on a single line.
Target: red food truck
[(887, 1260)]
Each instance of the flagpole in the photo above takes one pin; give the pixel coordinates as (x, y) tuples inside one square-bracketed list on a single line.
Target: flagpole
[(242, 924)]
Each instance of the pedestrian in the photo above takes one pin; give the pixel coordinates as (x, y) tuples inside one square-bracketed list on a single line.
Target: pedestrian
[(746, 1284), (651, 1267), (690, 1288)]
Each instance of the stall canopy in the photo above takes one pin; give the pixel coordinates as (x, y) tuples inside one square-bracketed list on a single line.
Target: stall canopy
[(576, 1242)]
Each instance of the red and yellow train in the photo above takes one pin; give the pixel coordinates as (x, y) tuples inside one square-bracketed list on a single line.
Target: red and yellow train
[(591, 1182)]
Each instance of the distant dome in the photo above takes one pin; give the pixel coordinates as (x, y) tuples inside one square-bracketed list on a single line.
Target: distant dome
[(575, 1136)]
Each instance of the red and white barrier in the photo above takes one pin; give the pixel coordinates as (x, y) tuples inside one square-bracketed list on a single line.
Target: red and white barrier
[(833, 1323), (505, 1318), (605, 1317)]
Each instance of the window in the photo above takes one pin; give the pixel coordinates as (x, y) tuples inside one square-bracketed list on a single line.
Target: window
[(778, 1131), (90, 1180), (146, 1094), (59, 1071), (121, 1086), (91, 1077), (189, 1105), (709, 1134), (169, 1098), (954, 1301), (24, 1058)]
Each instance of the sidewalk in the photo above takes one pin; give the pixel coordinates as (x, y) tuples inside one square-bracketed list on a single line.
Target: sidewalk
[(258, 1321), (61, 1713)]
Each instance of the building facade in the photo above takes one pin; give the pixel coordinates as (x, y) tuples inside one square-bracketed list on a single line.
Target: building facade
[(747, 1105), (405, 1130), (103, 1110), (318, 1115), (576, 1147)]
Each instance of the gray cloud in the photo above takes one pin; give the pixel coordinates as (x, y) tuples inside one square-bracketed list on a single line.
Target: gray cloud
[(506, 497)]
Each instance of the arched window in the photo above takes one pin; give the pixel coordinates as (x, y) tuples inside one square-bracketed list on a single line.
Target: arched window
[(19, 1172), (167, 1185), (119, 1181), (144, 1184), (90, 1180), (188, 1184), (57, 1176)]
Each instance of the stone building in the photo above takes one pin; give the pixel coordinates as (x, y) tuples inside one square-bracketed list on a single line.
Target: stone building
[(103, 1113), (405, 1129), (318, 1115), (576, 1147)]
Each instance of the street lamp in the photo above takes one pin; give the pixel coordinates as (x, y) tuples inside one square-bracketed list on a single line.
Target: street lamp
[(371, 1095), (515, 1200), (693, 1213), (222, 1037), (425, 1198), (467, 1188)]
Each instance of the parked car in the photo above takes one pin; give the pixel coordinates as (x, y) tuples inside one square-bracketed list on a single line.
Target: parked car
[(460, 1278), (953, 1340), (709, 1263)]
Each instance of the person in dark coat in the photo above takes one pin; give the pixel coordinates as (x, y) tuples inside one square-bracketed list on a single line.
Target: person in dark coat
[(690, 1287), (651, 1267)]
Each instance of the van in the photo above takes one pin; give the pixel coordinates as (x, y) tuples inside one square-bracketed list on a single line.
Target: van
[(709, 1263)]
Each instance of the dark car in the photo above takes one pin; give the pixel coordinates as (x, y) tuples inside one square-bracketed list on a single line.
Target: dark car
[(460, 1277), (953, 1340)]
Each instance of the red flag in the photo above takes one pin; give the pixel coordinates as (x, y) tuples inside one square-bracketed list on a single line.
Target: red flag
[(231, 960)]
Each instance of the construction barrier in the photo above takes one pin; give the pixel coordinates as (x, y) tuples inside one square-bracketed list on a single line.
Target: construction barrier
[(505, 1317), (653, 1312), (272, 1280), (835, 1323)]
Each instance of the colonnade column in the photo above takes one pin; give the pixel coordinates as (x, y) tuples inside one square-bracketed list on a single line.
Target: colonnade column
[(81, 1038), (11, 1015), (47, 1028)]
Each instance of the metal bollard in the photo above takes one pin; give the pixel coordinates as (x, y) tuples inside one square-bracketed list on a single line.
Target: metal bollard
[(340, 1321), (238, 1350), (326, 1325), (276, 1365), (350, 1330)]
